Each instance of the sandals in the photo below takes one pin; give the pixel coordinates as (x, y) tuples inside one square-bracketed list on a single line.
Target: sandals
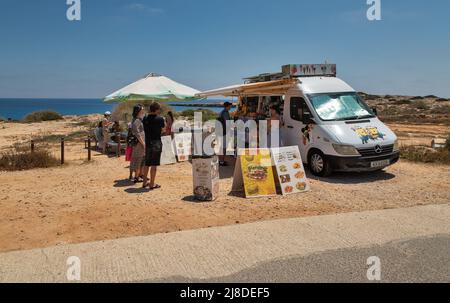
[(147, 186), (156, 186), (138, 180)]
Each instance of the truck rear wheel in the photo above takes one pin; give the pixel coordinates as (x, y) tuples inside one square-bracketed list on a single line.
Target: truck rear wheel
[(318, 164)]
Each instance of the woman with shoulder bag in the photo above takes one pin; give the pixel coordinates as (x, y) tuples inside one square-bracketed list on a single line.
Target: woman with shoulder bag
[(137, 141)]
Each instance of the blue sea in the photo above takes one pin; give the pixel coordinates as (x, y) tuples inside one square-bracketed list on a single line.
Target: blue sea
[(17, 109)]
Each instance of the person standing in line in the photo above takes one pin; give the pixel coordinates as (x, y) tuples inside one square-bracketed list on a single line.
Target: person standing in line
[(154, 127), (169, 123), (129, 149), (138, 142), (223, 118), (274, 116), (106, 123)]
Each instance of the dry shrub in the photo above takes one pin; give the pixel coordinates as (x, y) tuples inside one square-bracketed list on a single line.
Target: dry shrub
[(420, 104), (425, 155), (17, 160), (43, 116)]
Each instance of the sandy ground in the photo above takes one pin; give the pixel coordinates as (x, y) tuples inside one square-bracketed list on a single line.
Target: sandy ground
[(82, 201)]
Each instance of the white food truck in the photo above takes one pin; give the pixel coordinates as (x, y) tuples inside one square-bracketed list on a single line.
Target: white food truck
[(332, 125)]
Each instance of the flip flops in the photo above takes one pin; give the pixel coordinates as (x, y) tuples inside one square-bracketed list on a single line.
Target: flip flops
[(147, 186), (156, 186)]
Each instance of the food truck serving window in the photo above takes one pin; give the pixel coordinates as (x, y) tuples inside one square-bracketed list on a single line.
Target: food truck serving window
[(298, 108)]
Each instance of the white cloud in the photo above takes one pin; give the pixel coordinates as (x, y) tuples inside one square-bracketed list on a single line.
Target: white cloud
[(145, 8)]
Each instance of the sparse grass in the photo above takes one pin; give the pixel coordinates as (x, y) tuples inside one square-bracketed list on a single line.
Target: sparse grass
[(368, 97), (83, 123), (43, 116), (441, 110), (420, 104), (77, 135), (444, 120), (18, 160), (400, 102), (425, 155)]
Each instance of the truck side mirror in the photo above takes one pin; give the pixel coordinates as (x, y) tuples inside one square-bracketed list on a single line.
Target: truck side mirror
[(307, 118), (375, 111)]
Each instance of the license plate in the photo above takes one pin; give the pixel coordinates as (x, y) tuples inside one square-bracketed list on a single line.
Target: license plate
[(381, 163)]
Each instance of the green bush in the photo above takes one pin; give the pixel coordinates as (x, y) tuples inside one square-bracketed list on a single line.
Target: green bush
[(425, 155), (400, 102), (207, 114), (124, 111), (417, 98), (421, 105), (442, 100), (25, 160), (43, 116)]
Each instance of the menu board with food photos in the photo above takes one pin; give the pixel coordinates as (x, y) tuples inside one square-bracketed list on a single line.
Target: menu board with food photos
[(254, 173), (183, 146), (168, 152), (206, 178), (290, 170)]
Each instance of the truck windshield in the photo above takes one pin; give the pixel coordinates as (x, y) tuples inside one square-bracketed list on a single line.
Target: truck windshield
[(341, 106)]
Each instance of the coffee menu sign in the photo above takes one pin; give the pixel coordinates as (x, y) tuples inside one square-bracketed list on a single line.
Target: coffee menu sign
[(290, 170)]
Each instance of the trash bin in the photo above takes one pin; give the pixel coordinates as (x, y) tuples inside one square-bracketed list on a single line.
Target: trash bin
[(206, 177)]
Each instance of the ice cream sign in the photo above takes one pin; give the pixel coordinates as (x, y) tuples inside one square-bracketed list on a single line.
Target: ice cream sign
[(298, 70)]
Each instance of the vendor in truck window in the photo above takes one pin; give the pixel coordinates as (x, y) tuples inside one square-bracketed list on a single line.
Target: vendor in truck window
[(340, 107)]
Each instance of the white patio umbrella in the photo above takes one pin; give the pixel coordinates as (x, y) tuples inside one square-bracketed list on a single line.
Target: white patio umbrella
[(153, 87)]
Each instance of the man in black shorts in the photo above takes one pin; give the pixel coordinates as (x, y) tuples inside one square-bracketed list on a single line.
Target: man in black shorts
[(153, 127)]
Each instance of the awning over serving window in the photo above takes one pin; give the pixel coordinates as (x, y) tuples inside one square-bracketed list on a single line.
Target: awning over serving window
[(277, 87)]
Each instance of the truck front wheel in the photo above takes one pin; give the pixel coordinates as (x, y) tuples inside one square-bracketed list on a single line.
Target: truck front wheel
[(318, 164)]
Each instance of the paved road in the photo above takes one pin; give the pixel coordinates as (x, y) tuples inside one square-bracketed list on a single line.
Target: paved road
[(412, 243), (420, 260)]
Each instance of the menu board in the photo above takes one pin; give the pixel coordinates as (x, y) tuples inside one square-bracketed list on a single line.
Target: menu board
[(254, 173), (183, 146), (206, 178), (290, 170), (168, 152)]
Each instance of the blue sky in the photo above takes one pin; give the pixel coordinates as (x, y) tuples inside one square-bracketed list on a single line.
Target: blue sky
[(214, 43)]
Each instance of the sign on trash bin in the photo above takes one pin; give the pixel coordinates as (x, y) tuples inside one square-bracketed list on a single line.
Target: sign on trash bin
[(206, 178)]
